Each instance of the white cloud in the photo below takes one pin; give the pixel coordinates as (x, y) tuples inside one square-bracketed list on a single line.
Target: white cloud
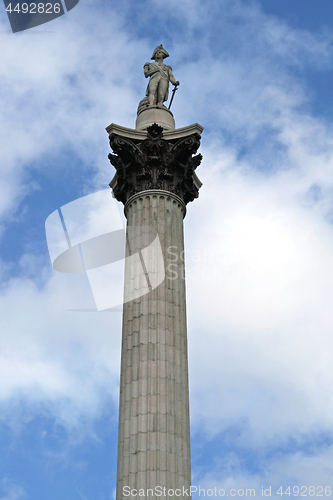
[(60, 361), (298, 470), (259, 276)]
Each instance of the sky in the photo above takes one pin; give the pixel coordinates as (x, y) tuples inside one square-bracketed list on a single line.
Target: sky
[(258, 76)]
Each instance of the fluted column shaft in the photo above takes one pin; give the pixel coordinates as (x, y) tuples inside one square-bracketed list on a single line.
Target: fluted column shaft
[(154, 427)]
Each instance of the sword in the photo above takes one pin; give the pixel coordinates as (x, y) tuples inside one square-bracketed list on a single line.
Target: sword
[(173, 95)]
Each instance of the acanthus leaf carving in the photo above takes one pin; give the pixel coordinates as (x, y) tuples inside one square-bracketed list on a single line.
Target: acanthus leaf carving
[(155, 163)]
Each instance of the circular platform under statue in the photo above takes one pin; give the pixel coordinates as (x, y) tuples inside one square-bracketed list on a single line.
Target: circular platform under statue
[(154, 114)]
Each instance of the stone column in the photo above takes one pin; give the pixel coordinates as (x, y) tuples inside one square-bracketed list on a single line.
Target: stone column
[(155, 179), (154, 426)]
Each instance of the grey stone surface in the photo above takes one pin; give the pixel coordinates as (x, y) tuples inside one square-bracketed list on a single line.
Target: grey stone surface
[(154, 427), (154, 114), (140, 135), (155, 179)]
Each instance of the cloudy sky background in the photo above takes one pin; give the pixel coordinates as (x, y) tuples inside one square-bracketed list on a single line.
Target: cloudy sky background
[(259, 240)]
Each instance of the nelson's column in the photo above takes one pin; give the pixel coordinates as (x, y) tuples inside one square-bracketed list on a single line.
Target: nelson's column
[(155, 179)]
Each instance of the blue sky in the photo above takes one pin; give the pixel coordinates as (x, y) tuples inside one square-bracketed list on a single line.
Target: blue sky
[(259, 240)]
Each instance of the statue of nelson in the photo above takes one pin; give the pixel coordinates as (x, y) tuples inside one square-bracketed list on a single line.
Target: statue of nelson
[(160, 75)]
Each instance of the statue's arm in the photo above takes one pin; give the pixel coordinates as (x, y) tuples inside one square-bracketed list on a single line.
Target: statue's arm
[(149, 70), (146, 69), (172, 78)]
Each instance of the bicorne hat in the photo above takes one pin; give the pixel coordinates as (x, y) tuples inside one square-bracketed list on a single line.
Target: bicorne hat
[(161, 49)]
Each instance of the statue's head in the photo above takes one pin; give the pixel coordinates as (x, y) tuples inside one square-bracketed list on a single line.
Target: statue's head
[(160, 51)]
